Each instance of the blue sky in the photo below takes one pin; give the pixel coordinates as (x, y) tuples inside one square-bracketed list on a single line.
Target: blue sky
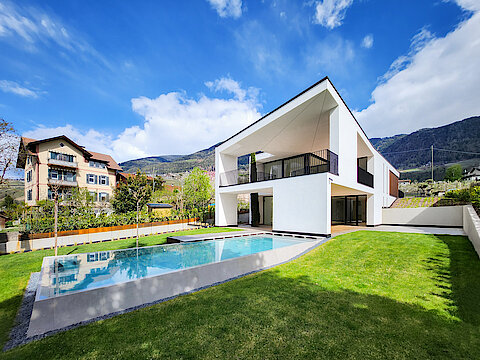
[(141, 78)]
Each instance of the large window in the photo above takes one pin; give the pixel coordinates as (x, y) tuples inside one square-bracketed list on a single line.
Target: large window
[(63, 157), (294, 166), (62, 194), (97, 164), (102, 196), (57, 174), (273, 170)]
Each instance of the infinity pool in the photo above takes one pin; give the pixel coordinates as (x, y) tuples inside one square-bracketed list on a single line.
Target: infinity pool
[(74, 273)]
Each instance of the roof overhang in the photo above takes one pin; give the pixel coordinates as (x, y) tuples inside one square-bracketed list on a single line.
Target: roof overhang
[(301, 125)]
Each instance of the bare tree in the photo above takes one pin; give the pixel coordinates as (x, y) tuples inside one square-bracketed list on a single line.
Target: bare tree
[(55, 189), (8, 149)]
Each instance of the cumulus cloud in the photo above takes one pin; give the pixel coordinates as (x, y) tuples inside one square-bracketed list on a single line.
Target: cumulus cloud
[(436, 83), (227, 8), (15, 88), (91, 139), (330, 13), (367, 41), (173, 123)]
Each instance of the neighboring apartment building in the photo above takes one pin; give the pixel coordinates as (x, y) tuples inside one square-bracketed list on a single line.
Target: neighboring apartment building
[(315, 167), (60, 161)]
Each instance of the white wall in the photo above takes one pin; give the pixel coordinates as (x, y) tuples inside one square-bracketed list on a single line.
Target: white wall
[(471, 226), (302, 204), (424, 216)]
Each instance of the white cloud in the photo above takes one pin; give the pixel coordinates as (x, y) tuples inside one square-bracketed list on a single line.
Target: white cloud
[(15, 88), (29, 28), (367, 41), (436, 83), (91, 139), (262, 47), (173, 123), (233, 87), (227, 8), (330, 13)]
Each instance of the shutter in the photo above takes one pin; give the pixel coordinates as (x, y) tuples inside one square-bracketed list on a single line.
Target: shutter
[(106, 197), (96, 179), (108, 180)]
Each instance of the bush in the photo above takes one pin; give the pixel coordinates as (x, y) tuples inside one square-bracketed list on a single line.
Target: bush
[(471, 195)]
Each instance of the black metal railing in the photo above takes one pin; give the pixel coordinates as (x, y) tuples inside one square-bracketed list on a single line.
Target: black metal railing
[(364, 177), (305, 164)]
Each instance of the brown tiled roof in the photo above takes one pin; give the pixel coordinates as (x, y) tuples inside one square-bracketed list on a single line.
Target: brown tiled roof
[(111, 164)]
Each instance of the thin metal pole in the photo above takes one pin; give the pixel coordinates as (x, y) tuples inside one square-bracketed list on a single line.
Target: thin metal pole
[(432, 162)]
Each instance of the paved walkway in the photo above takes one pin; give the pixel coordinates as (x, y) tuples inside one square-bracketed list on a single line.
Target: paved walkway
[(343, 229)]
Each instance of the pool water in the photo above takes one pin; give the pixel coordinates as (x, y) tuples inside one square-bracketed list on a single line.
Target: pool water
[(73, 273)]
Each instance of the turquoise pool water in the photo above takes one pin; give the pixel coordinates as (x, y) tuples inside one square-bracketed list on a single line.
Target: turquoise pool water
[(80, 272)]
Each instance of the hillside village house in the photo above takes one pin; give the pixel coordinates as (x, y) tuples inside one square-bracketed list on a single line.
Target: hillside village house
[(315, 167), (61, 161)]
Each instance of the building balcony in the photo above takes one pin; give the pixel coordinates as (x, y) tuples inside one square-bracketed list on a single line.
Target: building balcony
[(364, 177), (317, 162), (61, 182), (69, 164)]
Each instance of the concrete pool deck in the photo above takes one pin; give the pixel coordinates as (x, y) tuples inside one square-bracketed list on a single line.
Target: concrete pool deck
[(211, 236)]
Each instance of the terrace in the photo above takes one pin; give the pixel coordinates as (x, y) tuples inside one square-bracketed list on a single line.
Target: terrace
[(304, 164)]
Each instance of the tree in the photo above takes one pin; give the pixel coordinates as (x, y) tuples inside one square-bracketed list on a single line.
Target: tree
[(55, 189), (453, 173), (8, 149), (197, 191), (132, 195), (254, 205)]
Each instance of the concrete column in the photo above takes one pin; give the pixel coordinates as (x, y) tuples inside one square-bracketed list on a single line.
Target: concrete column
[(225, 204), (226, 210)]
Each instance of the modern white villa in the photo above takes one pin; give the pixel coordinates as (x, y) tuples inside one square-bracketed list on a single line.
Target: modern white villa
[(315, 167)]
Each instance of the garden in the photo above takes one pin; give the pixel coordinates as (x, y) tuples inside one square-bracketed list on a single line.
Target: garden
[(374, 295)]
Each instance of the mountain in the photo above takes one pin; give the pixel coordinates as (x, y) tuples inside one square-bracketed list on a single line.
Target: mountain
[(404, 151), (407, 151)]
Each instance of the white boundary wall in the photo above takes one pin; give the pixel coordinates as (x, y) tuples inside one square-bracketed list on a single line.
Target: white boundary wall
[(446, 216), (471, 226), (38, 244)]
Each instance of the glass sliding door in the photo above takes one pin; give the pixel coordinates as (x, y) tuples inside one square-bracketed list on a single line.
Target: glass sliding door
[(349, 210)]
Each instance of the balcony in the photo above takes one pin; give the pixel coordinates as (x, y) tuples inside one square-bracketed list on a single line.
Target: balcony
[(364, 177), (317, 162), (61, 182), (64, 163)]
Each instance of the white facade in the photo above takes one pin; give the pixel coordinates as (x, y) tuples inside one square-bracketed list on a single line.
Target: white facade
[(298, 166)]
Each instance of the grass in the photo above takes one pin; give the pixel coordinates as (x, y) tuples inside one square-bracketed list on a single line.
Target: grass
[(15, 270), (363, 295)]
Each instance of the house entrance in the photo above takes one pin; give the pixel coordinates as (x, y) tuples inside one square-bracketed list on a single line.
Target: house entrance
[(349, 210)]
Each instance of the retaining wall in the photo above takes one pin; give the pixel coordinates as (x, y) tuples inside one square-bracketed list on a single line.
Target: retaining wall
[(445, 216)]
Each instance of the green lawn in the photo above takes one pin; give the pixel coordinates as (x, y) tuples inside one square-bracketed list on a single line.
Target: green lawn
[(363, 295), (15, 270)]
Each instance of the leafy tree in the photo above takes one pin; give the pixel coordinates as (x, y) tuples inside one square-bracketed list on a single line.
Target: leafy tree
[(132, 195), (8, 202), (453, 173), (255, 207), (197, 191)]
